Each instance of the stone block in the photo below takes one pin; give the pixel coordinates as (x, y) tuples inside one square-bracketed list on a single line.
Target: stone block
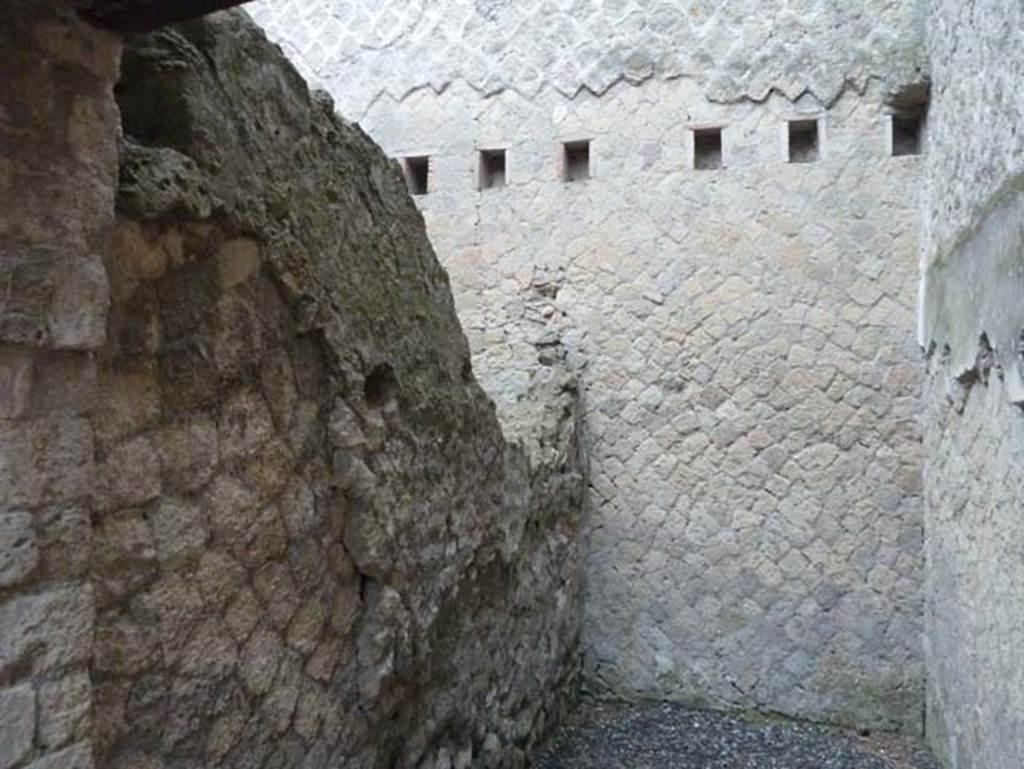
[(47, 631), (242, 615), (78, 756), (64, 710), (44, 461), (244, 426), (260, 660), (278, 381), (19, 552), (125, 646), (272, 469), (130, 402), (188, 452), (123, 559), (64, 533), (276, 589), (219, 578), (77, 318), (133, 259), (64, 382), (129, 476), (179, 528), (17, 724), (16, 366)]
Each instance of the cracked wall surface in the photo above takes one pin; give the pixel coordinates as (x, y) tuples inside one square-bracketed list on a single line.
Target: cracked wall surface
[(746, 336), (972, 322)]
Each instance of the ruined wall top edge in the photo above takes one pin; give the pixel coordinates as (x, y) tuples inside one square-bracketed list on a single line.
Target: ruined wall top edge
[(365, 50)]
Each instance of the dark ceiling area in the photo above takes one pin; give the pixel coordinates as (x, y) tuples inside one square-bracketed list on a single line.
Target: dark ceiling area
[(134, 16)]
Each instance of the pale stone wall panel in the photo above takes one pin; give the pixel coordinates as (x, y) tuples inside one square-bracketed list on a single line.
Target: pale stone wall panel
[(972, 318)]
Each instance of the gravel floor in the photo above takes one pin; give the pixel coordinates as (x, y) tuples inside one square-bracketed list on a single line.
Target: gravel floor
[(656, 736)]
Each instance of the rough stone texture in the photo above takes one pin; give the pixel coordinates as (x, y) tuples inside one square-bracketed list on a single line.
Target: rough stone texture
[(364, 51), (313, 546), (306, 538), (972, 318), (58, 172), (747, 341), (975, 446), (976, 104), (975, 186)]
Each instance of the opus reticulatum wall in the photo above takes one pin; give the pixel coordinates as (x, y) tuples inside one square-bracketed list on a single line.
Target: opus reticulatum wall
[(745, 332)]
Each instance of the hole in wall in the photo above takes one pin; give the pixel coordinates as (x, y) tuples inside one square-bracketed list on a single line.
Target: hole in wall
[(804, 141), (492, 169), (576, 161), (417, 175), (906, 134), (707, 149), (909, 106), (380, 384)]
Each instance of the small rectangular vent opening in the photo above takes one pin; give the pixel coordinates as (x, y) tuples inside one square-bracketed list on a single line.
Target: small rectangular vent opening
[(417, 175), (707, 149), (492, 169), (804, 145), (906, 134), (576, 161)]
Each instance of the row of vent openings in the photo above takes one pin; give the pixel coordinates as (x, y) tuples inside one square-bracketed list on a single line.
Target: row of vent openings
[(804, 147)]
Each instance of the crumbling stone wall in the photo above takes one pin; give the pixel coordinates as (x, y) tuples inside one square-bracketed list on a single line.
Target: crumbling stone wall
[(254, 508), (313, 545), (972, 323), (746, 335), (58, 173)]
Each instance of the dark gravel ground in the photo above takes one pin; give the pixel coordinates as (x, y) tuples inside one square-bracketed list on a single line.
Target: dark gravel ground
[(659, 736)]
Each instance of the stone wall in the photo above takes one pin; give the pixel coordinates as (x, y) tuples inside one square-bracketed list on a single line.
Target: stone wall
[(58, 172), (972, 320), (254, 508), (366, 51), (313, 545), (746, 335)]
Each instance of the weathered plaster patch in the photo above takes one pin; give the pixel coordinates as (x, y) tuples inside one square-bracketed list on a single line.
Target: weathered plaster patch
[(975, 290)]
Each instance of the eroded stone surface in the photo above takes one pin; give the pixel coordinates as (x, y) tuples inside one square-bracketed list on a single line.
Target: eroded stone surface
[(58, 174), (313, 545)]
